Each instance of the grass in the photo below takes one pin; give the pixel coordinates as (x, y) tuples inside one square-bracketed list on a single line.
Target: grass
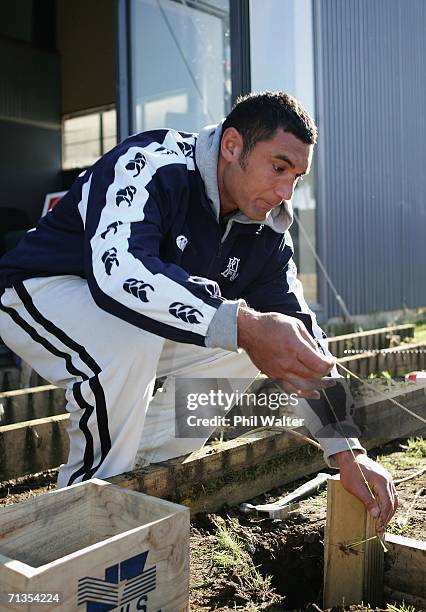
[(420, 332), (398, 461), (231, 556), (415, 447), (319, 500), (413, 451)]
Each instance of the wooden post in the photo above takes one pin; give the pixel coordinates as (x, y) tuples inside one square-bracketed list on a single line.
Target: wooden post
[(352, 574)]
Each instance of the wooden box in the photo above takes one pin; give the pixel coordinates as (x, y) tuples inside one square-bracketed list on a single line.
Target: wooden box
[(94, 547)]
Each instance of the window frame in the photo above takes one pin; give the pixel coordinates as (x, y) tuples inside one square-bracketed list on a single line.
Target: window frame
[(240, 56), (99, 110)]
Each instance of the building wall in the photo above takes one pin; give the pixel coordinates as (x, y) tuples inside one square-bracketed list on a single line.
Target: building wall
[(371, 106), (86, 43), (29, 126)]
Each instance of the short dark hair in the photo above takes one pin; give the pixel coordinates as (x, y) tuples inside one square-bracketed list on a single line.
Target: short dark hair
[(257, 116)]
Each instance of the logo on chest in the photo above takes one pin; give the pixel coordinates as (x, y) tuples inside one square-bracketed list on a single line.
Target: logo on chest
[(181, 242), (231, 270)]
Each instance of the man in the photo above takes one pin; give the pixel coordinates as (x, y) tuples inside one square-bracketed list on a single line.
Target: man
[(146, 268)]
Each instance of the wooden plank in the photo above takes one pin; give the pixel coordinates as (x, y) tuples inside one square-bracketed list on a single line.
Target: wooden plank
[(33, 446), (379, 418), (371, 339), (398, 360), (405, 571), (29, 404), (352, 575), (229, 473), (30, 390)]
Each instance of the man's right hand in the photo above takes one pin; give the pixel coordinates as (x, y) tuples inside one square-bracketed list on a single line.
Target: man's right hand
[(281, 348)]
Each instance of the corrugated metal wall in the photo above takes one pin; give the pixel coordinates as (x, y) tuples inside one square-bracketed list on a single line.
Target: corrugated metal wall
[(371, 101)]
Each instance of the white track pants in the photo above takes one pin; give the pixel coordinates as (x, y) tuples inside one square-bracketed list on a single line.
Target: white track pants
[(108, 368)]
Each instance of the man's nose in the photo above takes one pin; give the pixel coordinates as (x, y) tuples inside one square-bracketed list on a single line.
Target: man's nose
[(284, 190)]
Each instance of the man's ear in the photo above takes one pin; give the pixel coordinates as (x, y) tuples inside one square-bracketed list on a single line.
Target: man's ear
[(231, 145)]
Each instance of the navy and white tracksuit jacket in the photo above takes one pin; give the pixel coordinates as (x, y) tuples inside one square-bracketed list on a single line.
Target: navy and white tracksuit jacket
[(140, 228)]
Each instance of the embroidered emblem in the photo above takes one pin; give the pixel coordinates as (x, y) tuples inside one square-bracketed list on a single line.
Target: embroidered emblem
[(138, 163), (137, 288), (185, 312), (113, 227), (181, 242), (109, 258), (186, 148), (165, 151), (125, 195), (231, 270)]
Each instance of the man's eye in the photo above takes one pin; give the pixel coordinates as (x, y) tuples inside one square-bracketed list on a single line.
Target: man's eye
[(278, 168)]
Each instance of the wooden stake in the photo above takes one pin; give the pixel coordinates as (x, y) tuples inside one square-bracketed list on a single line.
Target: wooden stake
[(352, 575)]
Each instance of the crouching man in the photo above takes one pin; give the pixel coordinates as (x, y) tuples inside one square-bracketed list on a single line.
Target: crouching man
[(171, 257)]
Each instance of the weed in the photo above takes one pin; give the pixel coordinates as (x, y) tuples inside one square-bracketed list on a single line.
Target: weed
[(319, 500), (420, 332), (415, 447), (400, 608), (399, 529)]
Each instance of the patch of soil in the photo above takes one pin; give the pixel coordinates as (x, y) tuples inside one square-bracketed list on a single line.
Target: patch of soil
[(290, 551), (26, 487)]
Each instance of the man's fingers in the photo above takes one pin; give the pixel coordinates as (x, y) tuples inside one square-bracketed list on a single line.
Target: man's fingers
[(388, 503), (373, 486), (375, 505), (291, 389), (393, 504), (306, 336), (395, 498), (299, 368), (311, 384), (374, 508), (313, 360), (306, 388), (385, 502)]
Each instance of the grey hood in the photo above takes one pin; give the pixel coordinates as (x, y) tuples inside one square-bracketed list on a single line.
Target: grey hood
[(206, 156)]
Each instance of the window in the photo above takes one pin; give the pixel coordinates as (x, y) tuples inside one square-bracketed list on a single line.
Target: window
[(282, 58), (181, 72), (87, 136)]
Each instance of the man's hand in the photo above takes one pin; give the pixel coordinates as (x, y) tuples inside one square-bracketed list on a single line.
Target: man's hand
[(282, 349), (385, 502)]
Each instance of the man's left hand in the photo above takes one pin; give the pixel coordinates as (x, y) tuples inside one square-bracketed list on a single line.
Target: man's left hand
[(385, 502)]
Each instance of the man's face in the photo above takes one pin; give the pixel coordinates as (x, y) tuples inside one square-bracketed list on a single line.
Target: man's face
[(265, 177)]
